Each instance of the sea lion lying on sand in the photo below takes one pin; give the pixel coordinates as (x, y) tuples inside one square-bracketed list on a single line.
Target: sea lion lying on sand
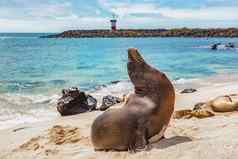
[(221, 104), (147, 111)]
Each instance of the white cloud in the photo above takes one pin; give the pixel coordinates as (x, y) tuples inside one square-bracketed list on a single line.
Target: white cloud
[(60, 15), (51, 10), (125, 8), (211, 13), (149, 8), (53, 25), (35, 10)]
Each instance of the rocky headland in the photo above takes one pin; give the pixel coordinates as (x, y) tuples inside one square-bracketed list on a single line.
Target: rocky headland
[(179, 32)]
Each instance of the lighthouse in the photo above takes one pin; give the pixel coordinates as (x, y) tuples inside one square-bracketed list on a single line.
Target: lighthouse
[(113, 23)]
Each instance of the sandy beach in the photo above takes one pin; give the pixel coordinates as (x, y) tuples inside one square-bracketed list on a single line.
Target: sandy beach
[(69, 137), (140, 79)]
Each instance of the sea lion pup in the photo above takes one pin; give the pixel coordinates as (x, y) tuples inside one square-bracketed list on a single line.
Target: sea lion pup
[(146, 113)]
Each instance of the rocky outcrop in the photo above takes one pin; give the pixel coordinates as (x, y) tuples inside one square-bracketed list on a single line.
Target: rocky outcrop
[(73, 101), (180, 32), (214, 46), (188, 90), (107, 33), (115, 82), (224, 46), (109, 101)]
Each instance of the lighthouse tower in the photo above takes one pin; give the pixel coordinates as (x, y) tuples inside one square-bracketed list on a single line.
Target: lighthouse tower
[(113, 23)]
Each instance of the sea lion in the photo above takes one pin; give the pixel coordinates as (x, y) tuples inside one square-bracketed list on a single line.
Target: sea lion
[(187, 114), (147, 111), (221, 104), (153, 84)]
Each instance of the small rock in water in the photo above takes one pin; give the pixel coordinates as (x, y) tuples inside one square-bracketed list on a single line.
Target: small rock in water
[(188, 90), (115, 82), (214, 46), (74, 102), (109, 101), (230, 45)]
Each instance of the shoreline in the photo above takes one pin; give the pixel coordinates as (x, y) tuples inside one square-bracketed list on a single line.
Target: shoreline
[(185, 138), (42, 108)]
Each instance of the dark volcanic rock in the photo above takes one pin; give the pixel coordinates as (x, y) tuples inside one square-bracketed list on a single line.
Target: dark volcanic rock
[(109, 101), (74, 102), (115, 82), (214, 46), (224, 46), (230, 45), (177, 32), (188, 90), (92, 102)]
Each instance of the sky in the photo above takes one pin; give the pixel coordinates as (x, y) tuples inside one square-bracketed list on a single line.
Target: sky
[(61, 15)]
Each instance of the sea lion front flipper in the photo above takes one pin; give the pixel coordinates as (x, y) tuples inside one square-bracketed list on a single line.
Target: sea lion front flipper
[(140, 141), (158, 136)]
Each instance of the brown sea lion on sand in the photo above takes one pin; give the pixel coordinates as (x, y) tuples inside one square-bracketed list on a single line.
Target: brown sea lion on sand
[(146, 113), (221, 104), (150, 82), (188, 113)]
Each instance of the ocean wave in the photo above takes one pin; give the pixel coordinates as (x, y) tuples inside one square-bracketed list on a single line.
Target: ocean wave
[(20, 99), (5, 37), (18, 85), (222, 47), (8, 37), (184, 80), (12, 117), (19, 109), (28, 108), (202, 46), (116, 89), (219, 47)]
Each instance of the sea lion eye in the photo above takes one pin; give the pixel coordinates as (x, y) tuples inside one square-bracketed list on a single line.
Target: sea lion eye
[(163, 75)]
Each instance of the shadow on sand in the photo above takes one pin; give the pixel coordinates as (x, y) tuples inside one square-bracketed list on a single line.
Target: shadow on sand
[(165, 143)]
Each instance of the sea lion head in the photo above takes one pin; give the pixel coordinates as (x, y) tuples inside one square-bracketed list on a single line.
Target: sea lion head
[(146, 79)]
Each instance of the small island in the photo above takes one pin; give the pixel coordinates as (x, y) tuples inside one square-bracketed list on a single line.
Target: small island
[(132, 33)]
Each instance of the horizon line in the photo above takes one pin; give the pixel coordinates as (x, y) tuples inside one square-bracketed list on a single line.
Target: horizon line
[(124, 29)]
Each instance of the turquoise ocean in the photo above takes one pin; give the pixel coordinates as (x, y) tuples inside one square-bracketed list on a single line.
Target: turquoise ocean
[(33, 71)]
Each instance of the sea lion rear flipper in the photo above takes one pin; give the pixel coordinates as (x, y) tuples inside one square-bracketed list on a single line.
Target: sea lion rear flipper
[(236, 106), (202, 114), (179, 114)]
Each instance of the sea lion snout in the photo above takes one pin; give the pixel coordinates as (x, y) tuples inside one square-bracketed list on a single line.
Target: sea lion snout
[(134, 56)]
